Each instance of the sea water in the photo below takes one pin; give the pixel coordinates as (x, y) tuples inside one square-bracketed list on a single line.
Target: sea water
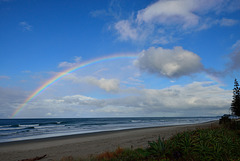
[(26, 129)]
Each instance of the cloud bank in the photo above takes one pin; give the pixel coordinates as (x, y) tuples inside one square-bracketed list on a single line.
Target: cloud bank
[(195, 99)]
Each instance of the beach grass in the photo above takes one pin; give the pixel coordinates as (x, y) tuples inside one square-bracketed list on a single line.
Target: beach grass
[(219, 143)]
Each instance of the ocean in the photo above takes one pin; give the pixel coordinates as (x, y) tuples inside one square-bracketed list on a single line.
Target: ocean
[(27, 129)]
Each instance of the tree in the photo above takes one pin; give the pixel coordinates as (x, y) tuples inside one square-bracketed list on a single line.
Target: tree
[(235, 106)]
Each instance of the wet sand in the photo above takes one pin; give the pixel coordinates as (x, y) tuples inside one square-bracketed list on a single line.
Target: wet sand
[(87, 145)]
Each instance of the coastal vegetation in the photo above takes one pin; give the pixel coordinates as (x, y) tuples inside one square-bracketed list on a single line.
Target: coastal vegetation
[(219, 143), (201, 144)]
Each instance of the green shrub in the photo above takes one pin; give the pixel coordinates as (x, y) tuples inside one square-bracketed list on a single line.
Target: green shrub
[(207, 144), (157, 149)]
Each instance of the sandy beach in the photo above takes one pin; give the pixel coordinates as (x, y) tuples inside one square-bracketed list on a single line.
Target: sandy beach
[(86, 145)]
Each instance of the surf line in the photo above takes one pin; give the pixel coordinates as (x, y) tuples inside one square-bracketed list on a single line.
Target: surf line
[(64, 73)]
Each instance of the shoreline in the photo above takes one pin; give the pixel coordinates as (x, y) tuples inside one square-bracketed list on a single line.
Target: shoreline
[(92, 133), (85, 145)]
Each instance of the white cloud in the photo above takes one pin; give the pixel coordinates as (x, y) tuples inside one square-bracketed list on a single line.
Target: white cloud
[(171, 63), (65, 64), (109, 85), (204, 98), (25, 26), (73, 100), (170, 12), (162, 40), (227, 22), (196, 94), (175, 17), (186, 13), (125, 30)]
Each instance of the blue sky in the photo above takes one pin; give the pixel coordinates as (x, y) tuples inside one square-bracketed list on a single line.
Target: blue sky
[(187, 54)]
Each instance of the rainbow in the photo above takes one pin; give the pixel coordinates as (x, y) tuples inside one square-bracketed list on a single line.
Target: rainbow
[(64, 73)]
